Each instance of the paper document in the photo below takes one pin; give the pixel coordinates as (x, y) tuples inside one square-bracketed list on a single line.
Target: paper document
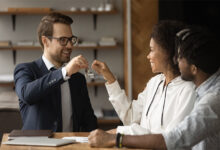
[(79, 139)]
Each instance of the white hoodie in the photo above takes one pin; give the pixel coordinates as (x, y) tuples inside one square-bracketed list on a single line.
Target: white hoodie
[(166, 106)]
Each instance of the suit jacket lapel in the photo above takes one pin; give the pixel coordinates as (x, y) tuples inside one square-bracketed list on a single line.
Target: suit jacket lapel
[(55, 97), (42, 67)]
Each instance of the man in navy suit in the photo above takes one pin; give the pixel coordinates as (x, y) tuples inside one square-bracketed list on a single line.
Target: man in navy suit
[(53, 95)]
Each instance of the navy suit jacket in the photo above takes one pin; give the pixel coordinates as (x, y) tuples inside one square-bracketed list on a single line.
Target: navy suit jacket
[(40, 98)]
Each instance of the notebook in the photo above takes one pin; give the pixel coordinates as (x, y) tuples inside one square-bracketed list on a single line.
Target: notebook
[(39, 141), (29, 133)]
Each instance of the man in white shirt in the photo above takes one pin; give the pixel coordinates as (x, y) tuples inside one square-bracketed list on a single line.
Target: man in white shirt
[(200, 130)]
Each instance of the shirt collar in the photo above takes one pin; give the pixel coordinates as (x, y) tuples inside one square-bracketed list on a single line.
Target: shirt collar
[(205, 86), (48, 64), (177, 80)]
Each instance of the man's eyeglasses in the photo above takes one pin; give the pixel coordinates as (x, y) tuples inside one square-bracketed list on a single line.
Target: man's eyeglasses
[(64, 40)]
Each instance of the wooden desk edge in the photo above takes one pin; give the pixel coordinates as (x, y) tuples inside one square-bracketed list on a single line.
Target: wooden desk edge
[(76, 146)]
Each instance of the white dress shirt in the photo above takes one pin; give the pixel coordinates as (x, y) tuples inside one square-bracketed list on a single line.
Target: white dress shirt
[(67, 122), (201, 129), (169, 106)]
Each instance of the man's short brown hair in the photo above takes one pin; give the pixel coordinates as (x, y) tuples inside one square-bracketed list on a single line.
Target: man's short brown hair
[(45, 27)]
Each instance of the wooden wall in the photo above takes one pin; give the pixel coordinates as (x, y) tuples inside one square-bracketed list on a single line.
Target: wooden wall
[(125, 26), (144, 15)]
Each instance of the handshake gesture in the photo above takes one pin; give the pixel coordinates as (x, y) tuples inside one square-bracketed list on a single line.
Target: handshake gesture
[(79, 62)]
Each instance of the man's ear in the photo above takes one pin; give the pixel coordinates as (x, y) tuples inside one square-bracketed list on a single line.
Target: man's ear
[(194, 69), (45, 41)]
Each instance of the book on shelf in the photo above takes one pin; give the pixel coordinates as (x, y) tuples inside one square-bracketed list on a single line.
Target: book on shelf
[(107, 41), (25, 43), (14, 134), (5, 43), (5, 78), (87, 43)]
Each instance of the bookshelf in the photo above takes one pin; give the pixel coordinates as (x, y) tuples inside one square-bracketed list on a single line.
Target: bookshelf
[(39, 11), (94, 48), (89, 84), (67, 12), (103, 122), (74, 48)]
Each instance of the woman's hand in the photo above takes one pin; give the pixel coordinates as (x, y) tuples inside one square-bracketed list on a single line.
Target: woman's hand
[(102, 68)]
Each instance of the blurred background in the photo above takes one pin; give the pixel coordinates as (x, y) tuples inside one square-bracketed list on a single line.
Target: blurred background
[(114, 31)]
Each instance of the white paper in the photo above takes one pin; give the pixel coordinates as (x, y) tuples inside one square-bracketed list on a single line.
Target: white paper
[(79, 139)]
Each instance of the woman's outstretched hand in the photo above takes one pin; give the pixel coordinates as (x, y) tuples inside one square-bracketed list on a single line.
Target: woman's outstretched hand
[(102, 68)]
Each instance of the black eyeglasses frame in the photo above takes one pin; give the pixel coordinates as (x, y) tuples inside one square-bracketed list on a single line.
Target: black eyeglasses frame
[(73, 40)]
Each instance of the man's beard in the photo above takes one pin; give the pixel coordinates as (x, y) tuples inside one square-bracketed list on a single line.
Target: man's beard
[(187, 77)]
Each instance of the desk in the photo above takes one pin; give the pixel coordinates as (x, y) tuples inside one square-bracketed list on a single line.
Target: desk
[(76, 146)]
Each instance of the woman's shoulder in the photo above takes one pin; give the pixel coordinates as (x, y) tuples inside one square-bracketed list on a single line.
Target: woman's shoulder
[(156, 79)]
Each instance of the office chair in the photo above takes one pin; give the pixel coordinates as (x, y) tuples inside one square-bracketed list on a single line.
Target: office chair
[(10, 119)]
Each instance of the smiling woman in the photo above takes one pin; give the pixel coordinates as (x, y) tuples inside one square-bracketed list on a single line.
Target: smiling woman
[(157, 57), (166, 100)]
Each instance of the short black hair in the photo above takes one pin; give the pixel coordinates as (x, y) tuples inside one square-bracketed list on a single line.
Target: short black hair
[(199, 47), (164, 33)]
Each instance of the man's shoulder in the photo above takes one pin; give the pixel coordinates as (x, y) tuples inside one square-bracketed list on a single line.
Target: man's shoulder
[(27, 66), (213, 93), (24, 65), (214, 89)]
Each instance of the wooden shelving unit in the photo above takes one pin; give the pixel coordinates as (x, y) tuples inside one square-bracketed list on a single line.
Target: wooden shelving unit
[(94, 48), (74, 48), (90, 84), (106, 122), (6, 84), (67, 12)]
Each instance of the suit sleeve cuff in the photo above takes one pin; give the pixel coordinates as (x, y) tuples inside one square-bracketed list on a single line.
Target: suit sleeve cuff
[(65, 77)]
